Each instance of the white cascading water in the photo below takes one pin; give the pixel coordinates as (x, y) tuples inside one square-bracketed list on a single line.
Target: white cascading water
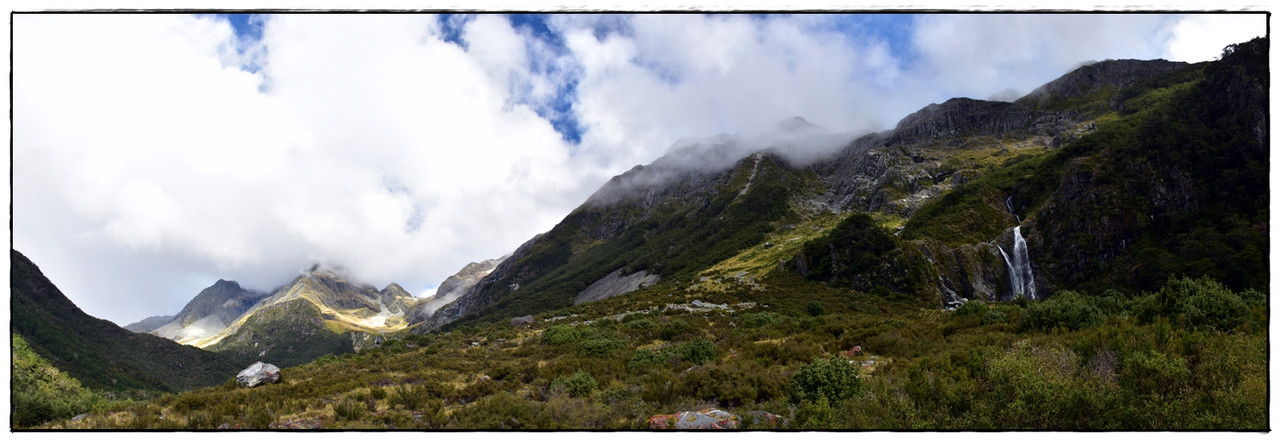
[(1008, 204), (1020, 277)]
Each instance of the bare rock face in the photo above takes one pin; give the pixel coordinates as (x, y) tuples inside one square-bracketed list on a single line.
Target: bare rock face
[(258, 373), (224, 299), (615, 284)]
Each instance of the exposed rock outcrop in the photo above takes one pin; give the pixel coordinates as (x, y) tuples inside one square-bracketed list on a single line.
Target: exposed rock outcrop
[(615, 284)]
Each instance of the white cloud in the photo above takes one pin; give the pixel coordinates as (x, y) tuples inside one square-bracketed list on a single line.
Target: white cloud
[(1202, 37), (375, 146), (667, 78), (981, 55)]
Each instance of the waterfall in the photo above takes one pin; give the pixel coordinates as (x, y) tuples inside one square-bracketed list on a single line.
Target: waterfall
[(1020, 265), (1020, 276), (1008, 205)]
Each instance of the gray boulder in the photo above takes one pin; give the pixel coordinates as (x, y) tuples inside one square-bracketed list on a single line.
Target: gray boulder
[(521, 321), (258, 373)]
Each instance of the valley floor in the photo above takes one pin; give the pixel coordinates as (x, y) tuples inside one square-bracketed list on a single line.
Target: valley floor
[(1192, 356)]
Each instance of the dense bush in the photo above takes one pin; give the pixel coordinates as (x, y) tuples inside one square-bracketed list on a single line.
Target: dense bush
[(832, 379), (814, 308), (762, 319), (643, 359), (560, 334), (697, 351), (410, 397), (602, 344), (674, 329), (41, 392), (1195, 303), (1067, 309), (577, 385), (348, 409)]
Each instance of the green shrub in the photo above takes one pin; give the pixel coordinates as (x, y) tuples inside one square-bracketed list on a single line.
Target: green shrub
[(833, 379), (697, 351), (258, 417), (674, 329), (814, 308), (1066, 308), (971, 308), (762, 319), (643, 359), (411, 397), (1195, 303), (577, 385), (1154, 373), (560, 334), (348, 409), (993, 316), (499, 411), (601, 345), (642, 324)]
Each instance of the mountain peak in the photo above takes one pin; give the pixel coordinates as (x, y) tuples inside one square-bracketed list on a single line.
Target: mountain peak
[(1091, 77), (796, 124)]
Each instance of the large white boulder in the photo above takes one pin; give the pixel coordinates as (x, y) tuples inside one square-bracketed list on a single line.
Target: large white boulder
[(258, 373)]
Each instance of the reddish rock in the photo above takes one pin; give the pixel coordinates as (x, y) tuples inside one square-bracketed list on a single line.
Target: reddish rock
[(709, 419)]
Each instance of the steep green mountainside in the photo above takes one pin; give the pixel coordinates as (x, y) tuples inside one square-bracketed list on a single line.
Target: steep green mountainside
[(714, 217), (949, 184), (1174, 184), (98, 353)]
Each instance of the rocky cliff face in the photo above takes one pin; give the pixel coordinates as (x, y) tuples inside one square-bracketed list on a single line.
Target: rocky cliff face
[(455, 286)]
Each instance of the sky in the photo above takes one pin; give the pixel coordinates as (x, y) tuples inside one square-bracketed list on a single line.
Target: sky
[(154, 154)]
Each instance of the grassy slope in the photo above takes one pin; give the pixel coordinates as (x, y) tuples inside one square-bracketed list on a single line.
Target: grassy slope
[(289, 334)]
